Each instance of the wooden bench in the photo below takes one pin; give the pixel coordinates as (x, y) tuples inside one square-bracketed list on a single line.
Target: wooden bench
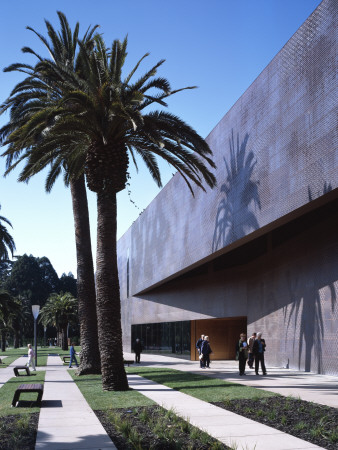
[(126, 361), (66, 357), (28, 388), (17, 368)]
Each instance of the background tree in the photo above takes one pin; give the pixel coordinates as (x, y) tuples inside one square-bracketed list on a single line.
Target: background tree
[(32, 278), (67, 283), (6, 241), (9, 309), (45, 84), (59, 311)]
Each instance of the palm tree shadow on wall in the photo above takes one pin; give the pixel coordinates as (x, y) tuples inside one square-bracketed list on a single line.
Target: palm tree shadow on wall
[(306, 309), (234, 218)]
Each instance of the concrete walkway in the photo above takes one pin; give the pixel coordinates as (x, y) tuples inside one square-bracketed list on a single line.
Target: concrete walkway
[(7, 372), (233, 430), (66, 421), (322, 389)]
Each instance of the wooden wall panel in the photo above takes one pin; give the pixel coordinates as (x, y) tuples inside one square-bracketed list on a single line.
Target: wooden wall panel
[(223, 335)]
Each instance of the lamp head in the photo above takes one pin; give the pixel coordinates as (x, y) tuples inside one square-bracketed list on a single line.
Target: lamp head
[(35, 311)]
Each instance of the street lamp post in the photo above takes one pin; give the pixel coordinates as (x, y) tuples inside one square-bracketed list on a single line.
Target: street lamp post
[(35, 311), (44, 335)]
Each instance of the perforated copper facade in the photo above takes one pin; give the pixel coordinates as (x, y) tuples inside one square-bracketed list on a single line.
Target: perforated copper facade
[(277, 160)]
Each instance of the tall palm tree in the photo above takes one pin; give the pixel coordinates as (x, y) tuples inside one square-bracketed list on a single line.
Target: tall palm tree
[(6, 240), (59, 311), (43, 86), (99, 123)]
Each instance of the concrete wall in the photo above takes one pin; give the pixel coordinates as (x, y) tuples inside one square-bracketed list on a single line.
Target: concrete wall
[(276, 153)]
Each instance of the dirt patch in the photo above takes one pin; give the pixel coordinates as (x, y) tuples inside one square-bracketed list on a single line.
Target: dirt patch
[(18, 431), (308, 421)]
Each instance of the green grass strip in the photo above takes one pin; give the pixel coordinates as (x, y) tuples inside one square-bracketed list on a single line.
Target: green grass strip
[(199, 386), (91, 388), (7, 394)]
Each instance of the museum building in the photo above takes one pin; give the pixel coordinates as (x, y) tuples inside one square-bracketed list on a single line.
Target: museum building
[(260, 251)]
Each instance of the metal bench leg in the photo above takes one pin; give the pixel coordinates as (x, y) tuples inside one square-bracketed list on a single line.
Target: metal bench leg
[(39, 398), (16, 398)]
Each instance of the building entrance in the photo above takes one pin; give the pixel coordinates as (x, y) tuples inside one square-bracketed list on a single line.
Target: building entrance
[(223, 335)]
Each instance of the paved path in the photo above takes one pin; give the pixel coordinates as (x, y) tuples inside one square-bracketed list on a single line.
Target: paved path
[(66, 421), (231, 429), (308, 386), (7, 372)]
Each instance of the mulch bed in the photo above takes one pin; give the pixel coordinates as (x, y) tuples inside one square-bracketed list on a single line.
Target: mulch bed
[(308, 421), (16, 432), (148, 439)]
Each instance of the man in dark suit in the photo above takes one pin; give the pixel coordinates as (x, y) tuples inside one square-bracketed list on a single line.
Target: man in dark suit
[(199, 344), (137, 350), (258, 350)]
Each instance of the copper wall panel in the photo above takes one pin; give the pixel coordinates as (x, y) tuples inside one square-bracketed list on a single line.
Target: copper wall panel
[(276, 155)]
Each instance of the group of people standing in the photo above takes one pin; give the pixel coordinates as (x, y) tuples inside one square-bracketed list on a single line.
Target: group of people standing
[(251, 351), (204, 351)]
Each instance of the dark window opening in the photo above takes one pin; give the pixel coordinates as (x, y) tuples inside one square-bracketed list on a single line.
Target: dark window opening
[(166, 338)]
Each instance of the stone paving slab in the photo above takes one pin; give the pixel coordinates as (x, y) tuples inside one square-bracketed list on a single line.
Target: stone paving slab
[(70, 423), (231, 429)]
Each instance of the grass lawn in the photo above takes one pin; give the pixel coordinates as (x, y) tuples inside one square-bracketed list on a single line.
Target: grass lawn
[(91, 388), (199, 386), (15, 353), (7, 393)]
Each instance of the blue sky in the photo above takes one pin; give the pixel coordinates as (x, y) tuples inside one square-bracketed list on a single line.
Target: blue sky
[(220, 46)]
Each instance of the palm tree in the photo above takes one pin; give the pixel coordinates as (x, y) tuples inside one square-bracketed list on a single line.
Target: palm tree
[(99, 123), (59, 311), (6, 240), (43, 86), (10, 308)]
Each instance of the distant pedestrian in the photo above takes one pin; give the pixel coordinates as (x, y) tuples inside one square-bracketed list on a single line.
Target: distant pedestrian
[(251, 341), (258, 351), (31, 357), (199, 347), (138, 350), (206, 351), (242, 353), (72, 356)]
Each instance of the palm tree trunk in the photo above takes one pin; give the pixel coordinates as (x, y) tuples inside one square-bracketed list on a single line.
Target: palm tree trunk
[(108, 296), (64, 342), (3, 340), (90, 355)]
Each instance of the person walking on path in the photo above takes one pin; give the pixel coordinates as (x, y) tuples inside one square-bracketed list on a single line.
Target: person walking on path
[(258, 351), (206, 351), (31, 357), (251, 341), (242, 353), (199, 347), (138, 350), (72, 356)]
